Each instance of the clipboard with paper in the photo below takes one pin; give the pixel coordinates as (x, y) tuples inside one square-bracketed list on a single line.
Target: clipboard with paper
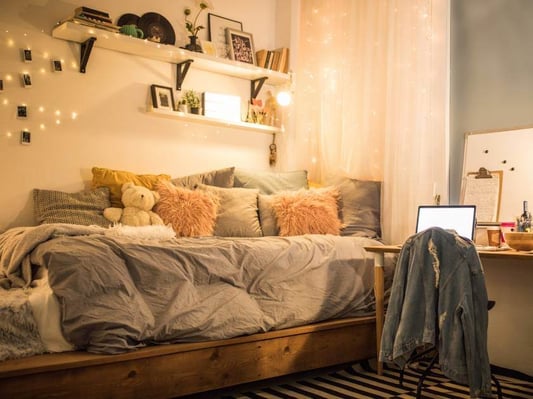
[(483, 188)]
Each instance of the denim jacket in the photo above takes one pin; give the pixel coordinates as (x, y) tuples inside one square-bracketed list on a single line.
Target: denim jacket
[(438, 297)]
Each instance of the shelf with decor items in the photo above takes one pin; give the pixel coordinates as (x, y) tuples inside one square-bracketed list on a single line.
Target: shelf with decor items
[(192, 118), (90, 37)]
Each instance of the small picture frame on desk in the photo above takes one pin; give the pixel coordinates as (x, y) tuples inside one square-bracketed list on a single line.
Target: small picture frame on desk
[(162, 97), (241, 46)]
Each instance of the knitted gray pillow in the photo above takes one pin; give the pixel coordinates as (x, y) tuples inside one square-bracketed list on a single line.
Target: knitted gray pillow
[(84, 207)]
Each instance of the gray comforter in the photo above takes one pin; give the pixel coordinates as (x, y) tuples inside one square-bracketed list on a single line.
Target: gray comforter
[(118, 293)]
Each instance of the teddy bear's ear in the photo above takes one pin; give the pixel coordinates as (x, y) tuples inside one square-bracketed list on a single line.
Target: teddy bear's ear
[(127, 185), (157, 197)]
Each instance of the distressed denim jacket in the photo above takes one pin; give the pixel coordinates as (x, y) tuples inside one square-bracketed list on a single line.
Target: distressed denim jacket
[(438, 297)]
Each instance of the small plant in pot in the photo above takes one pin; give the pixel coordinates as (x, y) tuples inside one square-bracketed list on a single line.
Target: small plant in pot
[(192, 99)]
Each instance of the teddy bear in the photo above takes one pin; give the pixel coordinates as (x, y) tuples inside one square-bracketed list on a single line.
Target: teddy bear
[(138, 203)]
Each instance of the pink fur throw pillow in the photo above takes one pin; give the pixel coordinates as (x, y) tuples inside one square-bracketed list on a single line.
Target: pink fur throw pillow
[(311, 211), (191, 213)]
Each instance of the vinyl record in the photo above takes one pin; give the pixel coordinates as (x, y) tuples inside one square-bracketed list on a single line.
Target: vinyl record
[(128, 19), (157, 28)]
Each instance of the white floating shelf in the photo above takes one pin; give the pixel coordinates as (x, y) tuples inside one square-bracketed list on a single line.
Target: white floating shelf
[(79, 33), (186, 117)]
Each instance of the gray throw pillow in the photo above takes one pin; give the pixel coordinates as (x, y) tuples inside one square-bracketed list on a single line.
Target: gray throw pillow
[(84, 207), (360, 207), (237, 212), (267, 215), (219, 178), (271, 182)]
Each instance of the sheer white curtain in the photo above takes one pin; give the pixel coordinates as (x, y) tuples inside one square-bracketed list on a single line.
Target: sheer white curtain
[(371, 99)]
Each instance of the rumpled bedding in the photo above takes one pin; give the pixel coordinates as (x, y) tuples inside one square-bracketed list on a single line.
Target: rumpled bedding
[(119, 293)]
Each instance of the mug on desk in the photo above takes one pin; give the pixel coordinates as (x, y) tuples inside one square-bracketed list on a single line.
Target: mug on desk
[(132, 30)]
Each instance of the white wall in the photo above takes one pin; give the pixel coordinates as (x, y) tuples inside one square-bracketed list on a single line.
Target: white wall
[(112, 128)]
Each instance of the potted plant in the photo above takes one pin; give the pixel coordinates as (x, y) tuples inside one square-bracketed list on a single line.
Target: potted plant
[(192, 99)]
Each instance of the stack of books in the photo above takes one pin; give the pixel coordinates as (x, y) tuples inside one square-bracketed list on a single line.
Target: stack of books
[(277, 60), (92, 17)]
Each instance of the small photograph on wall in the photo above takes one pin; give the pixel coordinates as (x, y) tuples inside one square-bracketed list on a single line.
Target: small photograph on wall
[(22, 112), (1, 85), (162, 97), (26, 55), (56, 66), (241, 46), (26, 80), (25, 137)]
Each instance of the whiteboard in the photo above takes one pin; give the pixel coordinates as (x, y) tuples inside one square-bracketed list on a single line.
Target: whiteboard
[(510, 151)]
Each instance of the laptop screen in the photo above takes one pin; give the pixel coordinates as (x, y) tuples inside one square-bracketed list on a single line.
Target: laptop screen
[(461, 218)]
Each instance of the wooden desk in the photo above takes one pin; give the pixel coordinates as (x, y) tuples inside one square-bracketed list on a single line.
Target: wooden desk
[(379, 289)]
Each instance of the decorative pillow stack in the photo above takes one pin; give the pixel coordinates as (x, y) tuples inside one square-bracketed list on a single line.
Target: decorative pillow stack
[(228, 202)]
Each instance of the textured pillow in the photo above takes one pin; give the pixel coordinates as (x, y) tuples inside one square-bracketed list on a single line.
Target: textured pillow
[(307, 212), (360, 205), (84, 207), (219, 178), (114, 179), (237, 212), (271, 182), (191, 213)]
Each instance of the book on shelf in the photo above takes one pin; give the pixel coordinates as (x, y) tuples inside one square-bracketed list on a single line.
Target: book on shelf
[(92, 23), (92, 11), (276, 60)]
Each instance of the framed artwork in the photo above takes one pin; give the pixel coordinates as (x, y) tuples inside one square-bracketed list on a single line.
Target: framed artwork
[(208, 47), (162, 97), (241, 46), (217, 32)]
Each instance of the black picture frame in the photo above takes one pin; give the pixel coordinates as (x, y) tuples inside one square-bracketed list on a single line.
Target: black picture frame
[(217, 26), (241, 45), (1, 85), (162, 97)]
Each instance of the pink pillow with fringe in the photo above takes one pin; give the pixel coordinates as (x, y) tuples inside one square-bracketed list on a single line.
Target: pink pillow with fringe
[(311, 211), (191, 213)]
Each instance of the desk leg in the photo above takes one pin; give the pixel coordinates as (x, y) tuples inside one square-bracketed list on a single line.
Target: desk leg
[(379, 292)]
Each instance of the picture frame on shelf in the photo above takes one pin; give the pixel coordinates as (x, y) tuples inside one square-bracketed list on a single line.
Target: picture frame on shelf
[(241, 46), (217, 26), (208, 47), (162, 97)]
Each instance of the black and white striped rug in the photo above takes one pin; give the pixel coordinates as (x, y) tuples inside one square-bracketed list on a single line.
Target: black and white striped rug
[(357, 381)]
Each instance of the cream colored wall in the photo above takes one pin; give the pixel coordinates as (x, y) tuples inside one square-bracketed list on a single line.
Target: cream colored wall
[(111, 128)]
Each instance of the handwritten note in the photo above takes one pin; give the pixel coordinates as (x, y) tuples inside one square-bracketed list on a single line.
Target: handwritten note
[(485, 193)]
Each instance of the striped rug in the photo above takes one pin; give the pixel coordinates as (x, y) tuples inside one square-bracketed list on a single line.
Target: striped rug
[(360, 381)]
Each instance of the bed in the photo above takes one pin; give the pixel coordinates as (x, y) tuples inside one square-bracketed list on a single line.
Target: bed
[(116, 313)]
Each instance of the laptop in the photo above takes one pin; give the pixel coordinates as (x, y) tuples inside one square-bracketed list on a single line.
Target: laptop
[(461, 218)]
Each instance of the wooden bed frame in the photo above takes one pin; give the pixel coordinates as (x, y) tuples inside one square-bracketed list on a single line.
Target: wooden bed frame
[(167, 371)]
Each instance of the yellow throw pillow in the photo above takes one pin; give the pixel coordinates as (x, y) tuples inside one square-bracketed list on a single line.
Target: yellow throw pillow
[(114, 179)]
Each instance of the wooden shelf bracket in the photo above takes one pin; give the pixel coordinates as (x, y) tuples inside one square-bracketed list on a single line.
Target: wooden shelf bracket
[(85, 52), (181, 72)]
